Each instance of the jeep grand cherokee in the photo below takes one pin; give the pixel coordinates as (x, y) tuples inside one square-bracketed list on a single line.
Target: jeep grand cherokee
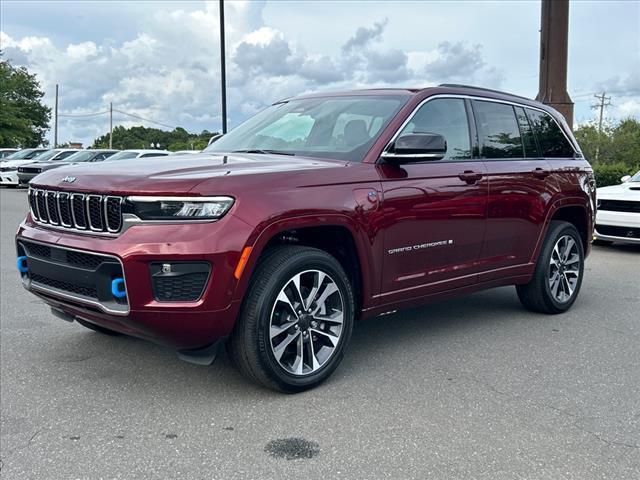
[(318, 211)]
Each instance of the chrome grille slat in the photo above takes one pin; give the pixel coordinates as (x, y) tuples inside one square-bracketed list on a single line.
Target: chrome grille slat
[(76, 211)]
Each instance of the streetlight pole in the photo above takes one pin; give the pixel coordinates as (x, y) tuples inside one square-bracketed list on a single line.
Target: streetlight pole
[(111, 125), (55, 130), (223, 73)]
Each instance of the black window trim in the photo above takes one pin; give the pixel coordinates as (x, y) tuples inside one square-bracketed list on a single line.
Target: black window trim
[(576, 151)]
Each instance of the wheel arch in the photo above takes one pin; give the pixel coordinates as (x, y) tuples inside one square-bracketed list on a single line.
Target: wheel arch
[(573, 211), (335, 234)]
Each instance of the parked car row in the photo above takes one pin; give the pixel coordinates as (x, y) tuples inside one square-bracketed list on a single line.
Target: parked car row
[(19, 167)]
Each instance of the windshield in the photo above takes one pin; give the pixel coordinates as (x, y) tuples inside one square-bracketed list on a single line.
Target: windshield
[(636, 177), (343, 128), (46, 156), (122, 156), (81, 156), (23, 154)]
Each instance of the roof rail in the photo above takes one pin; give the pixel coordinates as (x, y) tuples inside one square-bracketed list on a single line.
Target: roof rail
[(459, 85)]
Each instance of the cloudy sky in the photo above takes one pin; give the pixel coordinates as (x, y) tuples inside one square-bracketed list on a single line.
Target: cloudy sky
[(160, 59)]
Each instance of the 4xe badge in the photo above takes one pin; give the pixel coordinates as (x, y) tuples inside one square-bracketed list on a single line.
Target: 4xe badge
[(68, 179)]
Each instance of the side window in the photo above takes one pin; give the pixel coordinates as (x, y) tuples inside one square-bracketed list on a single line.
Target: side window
[(553, 143), (529, 141), (446, 117), (153, 155), (498, 130)]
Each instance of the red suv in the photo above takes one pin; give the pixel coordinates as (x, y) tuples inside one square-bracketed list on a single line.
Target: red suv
[(318, 211)]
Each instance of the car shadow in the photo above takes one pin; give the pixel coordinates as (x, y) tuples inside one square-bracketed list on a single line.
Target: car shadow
[(123, 362)]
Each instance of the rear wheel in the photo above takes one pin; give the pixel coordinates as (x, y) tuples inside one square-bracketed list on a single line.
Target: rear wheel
[(296, 320), (558, 275)]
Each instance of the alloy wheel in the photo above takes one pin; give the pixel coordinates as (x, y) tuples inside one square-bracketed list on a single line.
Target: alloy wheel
[(564, 268), (306, 322)]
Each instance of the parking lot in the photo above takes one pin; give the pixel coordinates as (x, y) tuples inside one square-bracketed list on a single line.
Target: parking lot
[(470, 388)]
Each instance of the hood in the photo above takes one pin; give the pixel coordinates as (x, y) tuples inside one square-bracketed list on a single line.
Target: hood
[(624, 191), (176, 173), (47, 165), (15, 163)]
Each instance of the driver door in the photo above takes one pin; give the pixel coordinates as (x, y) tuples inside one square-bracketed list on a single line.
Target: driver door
[(434, 212)]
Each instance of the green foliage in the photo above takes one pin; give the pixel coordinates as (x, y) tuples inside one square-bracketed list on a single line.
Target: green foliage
[(611, 173), (618, 145), (142, 137), (24, 119)]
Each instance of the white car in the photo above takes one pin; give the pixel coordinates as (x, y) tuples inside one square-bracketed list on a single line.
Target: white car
[(618, 217), (130, 154), (9, 165)]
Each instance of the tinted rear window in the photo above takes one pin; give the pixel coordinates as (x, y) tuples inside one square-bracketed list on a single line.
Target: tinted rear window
[(551, 140), (498, 130)]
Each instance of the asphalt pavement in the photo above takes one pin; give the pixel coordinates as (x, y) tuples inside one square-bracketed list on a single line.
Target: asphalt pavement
[(473, 388)]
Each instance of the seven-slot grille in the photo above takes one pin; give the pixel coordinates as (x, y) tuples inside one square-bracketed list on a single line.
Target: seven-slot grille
[(77, 211)]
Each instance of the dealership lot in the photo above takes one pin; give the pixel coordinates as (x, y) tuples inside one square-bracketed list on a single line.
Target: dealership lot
[(469, 388)]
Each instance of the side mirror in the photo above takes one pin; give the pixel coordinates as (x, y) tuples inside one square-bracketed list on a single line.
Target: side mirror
[(625, 179), (416, 147), (214, 138)]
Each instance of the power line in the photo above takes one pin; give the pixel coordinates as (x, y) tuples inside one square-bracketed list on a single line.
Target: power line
[(95, 114), (604, 101), (142, 118)]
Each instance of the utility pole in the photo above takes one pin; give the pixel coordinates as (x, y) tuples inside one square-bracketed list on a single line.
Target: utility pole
[(554, 45), (223, 73), (110, 124), (55, 128), (604, 101)]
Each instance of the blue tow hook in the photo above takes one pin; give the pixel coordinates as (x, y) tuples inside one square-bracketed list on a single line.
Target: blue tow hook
[(21, 263), (117, 288)]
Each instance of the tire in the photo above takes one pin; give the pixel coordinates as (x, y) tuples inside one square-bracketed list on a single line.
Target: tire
[(550, 290), (98, 328), (273, 329)]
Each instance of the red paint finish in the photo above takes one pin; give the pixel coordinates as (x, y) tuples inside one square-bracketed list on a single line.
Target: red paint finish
[(421, 231)]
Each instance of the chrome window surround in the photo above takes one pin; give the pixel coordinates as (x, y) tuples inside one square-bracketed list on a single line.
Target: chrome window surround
[(388, 154)]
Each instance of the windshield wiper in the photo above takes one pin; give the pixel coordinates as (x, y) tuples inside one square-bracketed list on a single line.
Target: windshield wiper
[(265, 152)]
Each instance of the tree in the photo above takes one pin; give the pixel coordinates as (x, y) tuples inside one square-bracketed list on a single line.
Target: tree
[(24, 119), (142, 137), (618, 144)]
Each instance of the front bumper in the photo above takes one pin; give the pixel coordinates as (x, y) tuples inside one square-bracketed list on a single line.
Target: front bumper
[(181, 325), (617, 226), (9, 178)]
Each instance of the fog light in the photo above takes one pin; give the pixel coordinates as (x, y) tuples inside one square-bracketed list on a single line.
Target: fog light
[(179, 281), (117, 288), (21, 263)]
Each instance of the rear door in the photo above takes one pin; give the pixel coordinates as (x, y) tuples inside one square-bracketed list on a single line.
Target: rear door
[(434, 212), (519, 186)]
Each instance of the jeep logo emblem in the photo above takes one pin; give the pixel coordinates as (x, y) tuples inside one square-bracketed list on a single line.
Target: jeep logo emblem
[(68, 179)]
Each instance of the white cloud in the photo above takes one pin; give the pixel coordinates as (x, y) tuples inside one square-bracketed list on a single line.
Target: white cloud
[(167, 67)]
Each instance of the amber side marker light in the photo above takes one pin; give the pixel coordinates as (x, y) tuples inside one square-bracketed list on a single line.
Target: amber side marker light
[(242, 262)]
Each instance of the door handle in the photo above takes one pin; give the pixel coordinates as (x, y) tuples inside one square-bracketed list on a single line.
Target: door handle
[(541, 172), (470, 176)]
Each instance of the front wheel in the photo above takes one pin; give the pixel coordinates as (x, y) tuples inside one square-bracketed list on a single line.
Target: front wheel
[(296, 319), (558, 275)]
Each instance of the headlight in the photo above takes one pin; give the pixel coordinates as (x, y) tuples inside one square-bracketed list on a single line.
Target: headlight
[(180, 208)]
